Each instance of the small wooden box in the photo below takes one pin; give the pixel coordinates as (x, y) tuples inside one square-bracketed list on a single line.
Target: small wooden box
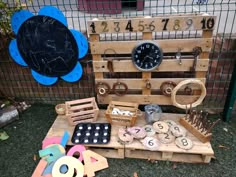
[(83, 110), (122, 119)]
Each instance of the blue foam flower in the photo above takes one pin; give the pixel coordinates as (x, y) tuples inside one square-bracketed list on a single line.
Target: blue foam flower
[(46, 45)]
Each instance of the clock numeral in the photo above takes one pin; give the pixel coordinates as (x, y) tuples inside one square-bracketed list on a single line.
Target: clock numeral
[(147, 46), (156, 51), (138, 51), (136, 56), (142, 47)]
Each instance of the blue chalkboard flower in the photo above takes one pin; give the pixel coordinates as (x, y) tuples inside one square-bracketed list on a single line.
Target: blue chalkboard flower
[(46, 45)]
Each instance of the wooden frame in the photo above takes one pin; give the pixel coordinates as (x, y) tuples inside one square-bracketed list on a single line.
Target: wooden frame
[(146, 26)]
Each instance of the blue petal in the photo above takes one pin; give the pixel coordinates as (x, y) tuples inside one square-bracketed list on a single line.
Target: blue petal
[(44, 80), (18, 18), (53, 12), (15, 54), (81, 42), (75, 74)]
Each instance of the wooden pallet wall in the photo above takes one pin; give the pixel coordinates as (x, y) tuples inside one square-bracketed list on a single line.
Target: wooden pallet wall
[(146, 28)]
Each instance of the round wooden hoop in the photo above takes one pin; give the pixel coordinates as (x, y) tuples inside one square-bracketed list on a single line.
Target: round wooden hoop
[(102, 88), (122, 92), (188, 81), (167, 87)]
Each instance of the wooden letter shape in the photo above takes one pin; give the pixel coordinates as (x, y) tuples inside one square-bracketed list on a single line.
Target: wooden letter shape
[(40, 168), (77, 148), (91, 167), (72, 164)]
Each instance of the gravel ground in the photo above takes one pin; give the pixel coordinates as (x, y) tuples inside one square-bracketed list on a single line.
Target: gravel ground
[(26, 134)]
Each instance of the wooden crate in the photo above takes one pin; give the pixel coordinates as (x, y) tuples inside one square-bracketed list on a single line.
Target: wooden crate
[(122, 119), (107, 34), (82, 110)]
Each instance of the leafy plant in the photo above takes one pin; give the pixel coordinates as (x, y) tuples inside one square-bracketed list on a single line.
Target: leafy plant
[(6, 11)]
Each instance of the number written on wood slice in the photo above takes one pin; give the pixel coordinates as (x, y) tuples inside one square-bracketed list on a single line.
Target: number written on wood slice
[(90, 166), (161, 127), (178, 130), (184, 143), (166, 138), (170, 122), (137, 132), (149, 130), (151, 143)]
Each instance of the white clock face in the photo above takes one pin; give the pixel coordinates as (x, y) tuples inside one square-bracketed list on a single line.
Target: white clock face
[(147, 56)]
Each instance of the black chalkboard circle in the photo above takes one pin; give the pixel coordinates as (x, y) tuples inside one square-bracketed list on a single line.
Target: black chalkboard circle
[(47, 46)]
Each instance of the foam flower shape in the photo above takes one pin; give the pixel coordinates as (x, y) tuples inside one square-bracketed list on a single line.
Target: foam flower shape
[(46, 45)]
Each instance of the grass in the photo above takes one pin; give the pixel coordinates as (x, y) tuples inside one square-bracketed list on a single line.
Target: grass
[(26, 135)]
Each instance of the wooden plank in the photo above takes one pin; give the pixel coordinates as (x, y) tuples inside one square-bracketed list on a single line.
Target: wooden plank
[(167, 65), (204, 54), (154, 24), (109, 152), (138, 83), (148, 99), (96, 57), (167, 46), (146, 75)]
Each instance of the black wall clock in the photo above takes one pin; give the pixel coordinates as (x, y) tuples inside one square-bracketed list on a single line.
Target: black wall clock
[(147, 56)]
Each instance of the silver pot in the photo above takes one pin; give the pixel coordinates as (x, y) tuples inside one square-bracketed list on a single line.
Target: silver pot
[(152, 113)]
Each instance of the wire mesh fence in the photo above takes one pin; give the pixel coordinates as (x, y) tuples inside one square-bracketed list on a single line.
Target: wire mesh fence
[(16, 81)]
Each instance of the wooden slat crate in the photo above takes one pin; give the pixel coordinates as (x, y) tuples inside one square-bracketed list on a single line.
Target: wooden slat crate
[(109, 35), (122, 119), (82, 110)]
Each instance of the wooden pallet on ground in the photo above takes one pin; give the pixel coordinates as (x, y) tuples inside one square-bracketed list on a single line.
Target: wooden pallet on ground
[(200, 153)]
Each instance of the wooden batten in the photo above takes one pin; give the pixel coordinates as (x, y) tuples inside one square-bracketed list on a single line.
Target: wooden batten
[(168, 65), (168, 46)]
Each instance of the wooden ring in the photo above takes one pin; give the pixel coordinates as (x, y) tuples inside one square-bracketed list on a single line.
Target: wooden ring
[(188, 81), (167, 87), (102, 89), (120, 93)]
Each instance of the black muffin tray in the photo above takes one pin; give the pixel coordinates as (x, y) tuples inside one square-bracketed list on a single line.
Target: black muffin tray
[(91, 133)]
